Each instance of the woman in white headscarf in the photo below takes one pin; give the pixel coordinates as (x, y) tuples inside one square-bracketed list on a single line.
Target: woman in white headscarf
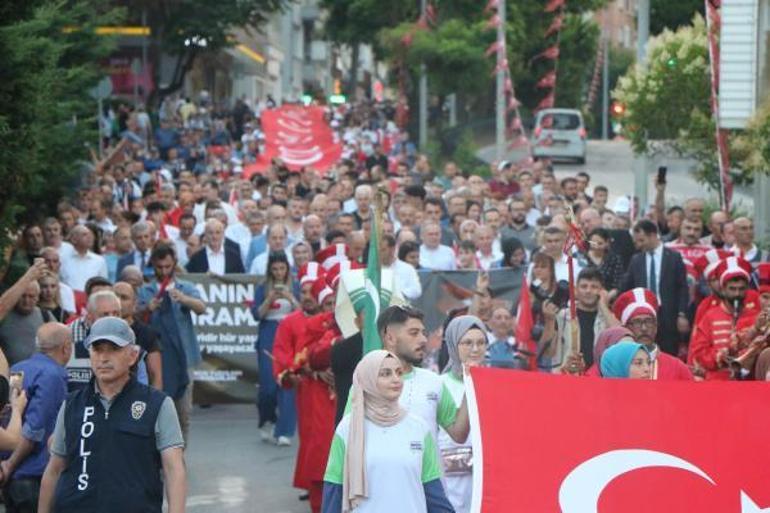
[(382, 459), (466, 340)]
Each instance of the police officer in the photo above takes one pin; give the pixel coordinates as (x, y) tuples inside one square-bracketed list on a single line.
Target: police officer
[(114, 437)]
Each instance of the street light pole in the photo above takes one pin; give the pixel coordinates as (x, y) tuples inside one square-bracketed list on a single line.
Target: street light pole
[(500, 106), (423, 90), (640, 161), (605, 87)]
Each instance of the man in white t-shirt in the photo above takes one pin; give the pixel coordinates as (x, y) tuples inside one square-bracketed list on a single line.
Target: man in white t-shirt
[(402, 332), (406, 279), (83, 263), (433, 254)]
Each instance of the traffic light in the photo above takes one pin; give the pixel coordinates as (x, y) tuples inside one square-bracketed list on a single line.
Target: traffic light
[(337, 89), (617, 109), (672, 62)]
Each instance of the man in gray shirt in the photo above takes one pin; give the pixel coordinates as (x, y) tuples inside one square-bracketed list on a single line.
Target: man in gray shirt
[(519, 228), (18, 328), (115, 418)]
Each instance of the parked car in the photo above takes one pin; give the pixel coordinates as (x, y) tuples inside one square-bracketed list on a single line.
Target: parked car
[(560, 134)]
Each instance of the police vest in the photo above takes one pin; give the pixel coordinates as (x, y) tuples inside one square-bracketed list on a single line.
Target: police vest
[(112, 463)]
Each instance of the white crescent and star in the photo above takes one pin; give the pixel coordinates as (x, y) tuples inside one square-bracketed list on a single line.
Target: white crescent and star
[(581, 489)]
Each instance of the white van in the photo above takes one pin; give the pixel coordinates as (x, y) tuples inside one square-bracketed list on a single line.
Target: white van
[(560, 134)]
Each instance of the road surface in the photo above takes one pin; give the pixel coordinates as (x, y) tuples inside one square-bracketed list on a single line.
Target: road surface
[(231, 471), (610, 163)]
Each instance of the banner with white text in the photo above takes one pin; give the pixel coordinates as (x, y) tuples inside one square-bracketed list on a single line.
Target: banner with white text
[(227, 333)]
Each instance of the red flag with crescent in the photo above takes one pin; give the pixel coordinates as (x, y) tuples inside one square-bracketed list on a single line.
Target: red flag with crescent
[(566, 444)]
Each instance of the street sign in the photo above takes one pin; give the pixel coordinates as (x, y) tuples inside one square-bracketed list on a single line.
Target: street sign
[(102, 90)]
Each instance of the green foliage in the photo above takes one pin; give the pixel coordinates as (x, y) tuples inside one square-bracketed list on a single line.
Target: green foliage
[(179, 27), (453, 54), (669, 103), (750, 150), (669, 98), (46, 114)]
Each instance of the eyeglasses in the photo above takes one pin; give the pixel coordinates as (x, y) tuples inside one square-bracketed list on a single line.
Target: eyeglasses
[(643, 323), (479, 344)]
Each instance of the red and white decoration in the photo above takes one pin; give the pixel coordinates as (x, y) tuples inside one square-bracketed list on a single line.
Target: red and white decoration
[(713, 24), (515, 128), (299, 136)]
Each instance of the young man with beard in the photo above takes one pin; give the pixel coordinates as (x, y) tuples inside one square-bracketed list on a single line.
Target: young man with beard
[(593, 314), (291, 370), (518, 227), (402, 331), (718, 339)]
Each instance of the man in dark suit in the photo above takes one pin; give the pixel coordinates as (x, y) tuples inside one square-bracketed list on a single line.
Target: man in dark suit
[(142, 236), (662, 271), (215, 255)]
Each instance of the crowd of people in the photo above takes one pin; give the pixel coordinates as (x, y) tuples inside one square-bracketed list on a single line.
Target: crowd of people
[(661, 292)]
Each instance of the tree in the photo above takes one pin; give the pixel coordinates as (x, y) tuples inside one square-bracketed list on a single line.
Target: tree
[(668, 103), (186, 29), (46, 114), (672, 92)]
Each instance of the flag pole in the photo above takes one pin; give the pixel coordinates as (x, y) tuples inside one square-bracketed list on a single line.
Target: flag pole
[(575, 238)]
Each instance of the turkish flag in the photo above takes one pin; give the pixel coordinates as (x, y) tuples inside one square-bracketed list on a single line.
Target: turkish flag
[(561, 444)]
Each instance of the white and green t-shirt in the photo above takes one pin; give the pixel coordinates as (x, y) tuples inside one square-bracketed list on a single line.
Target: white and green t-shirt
[(458, 486), (426, 396), (399, 459)]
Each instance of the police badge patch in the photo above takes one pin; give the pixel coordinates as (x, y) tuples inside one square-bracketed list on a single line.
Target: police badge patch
[(137, 409)]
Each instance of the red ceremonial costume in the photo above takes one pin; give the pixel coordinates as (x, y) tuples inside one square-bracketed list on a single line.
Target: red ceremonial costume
[(299, 349), (716, 334)]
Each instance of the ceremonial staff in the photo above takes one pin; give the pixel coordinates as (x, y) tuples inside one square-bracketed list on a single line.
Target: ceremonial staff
[(575, 239)]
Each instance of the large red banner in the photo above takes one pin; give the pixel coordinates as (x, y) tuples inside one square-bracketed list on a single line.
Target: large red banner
[(300, 136), (545, 443)]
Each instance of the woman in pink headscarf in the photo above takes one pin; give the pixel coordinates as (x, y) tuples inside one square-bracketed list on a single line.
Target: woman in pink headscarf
[(607, 338), (382, 459)]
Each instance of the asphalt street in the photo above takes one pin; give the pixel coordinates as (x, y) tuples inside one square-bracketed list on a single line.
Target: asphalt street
[(231, 470), (610, 163)]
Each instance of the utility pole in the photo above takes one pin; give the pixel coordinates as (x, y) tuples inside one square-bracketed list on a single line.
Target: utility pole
[(605, 87), (641, 161), (144, 49), (423, 136), (500, 104)]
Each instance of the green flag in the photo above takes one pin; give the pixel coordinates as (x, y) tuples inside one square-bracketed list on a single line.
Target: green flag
[(373, 286)]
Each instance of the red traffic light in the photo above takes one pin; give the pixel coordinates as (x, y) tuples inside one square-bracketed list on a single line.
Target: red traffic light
[(618, 109)]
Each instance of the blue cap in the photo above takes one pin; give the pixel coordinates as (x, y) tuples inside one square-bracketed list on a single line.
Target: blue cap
[(110, 329)]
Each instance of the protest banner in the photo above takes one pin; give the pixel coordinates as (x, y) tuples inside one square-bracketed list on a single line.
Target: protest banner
[(226, 333), (564, 444), (298, 136), (443, 291)]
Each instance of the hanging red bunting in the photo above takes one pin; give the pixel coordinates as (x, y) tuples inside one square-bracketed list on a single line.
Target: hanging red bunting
[(551, 53), (546, 103), (553, 5), (556, 25), (493, 48), (548, 81), (492, 4), (493, 22), (514, 126)]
